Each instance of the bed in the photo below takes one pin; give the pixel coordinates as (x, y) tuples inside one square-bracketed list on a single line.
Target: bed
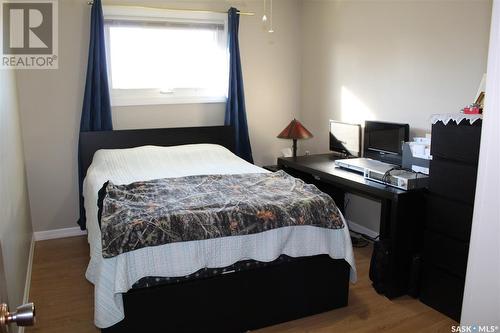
[(226, 284)]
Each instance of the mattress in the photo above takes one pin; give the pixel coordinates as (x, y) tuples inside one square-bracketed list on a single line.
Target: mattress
[(113, 276)]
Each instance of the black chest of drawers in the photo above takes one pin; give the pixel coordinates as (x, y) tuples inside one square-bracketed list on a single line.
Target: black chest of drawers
[(450, 202)]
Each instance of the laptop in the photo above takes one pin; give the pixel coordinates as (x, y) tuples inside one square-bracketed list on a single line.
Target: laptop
[(361, 164)]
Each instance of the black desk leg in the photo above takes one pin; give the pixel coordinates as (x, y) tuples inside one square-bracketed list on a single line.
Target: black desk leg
[(385, 219)]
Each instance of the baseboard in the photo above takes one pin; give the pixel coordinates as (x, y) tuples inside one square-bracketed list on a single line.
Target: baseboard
[(27, 283), (58, 233), (362, 229)]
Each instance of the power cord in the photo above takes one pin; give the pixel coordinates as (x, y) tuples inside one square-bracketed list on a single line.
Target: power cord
[(387, 180)]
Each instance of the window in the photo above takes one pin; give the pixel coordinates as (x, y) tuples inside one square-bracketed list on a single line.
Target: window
[(165, 57)]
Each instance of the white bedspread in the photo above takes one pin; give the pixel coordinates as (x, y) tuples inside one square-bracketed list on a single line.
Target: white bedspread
[(114, 276)]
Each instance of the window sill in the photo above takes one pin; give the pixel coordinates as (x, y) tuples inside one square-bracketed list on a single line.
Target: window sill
[(134, 101)]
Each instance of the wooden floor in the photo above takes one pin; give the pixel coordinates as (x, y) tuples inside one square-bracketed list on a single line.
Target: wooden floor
[(64, 299)]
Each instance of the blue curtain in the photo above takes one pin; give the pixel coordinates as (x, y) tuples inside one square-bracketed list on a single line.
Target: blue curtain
[(96, 111), (235, 107)]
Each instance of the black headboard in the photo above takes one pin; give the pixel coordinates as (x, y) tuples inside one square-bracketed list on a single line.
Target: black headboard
[(90, 142)]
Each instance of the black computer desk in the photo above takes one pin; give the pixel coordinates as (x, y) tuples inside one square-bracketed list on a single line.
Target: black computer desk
[(401, 215)]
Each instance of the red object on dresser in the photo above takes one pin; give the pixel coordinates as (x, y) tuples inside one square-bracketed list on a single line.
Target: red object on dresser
[(472, 110)]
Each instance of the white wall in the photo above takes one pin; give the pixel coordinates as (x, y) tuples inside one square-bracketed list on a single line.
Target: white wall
[(398, 61), (481, 304), (50, 101), (15, 224), (363, 214)]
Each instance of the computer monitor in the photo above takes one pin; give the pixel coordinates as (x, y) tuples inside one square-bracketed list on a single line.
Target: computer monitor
[(384, 141), (345, 139)]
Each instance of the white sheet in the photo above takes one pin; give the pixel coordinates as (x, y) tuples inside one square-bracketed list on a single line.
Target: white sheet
[(114, 276)]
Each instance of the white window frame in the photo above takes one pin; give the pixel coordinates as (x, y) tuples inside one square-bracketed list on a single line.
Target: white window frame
[(134, 97)]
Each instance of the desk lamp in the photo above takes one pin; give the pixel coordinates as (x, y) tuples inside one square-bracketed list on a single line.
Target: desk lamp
[(295, 131)]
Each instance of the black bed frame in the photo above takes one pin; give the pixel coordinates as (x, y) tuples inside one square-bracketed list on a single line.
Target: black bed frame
[(235, 302)]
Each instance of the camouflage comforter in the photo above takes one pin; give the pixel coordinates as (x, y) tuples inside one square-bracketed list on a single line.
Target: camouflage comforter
[(157, 212)]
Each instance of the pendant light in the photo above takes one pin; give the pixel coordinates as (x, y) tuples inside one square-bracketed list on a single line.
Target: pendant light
[(264, 17), (271, 30)]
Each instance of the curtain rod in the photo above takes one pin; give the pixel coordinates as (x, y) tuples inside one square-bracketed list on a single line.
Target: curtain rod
[(90, 3)]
